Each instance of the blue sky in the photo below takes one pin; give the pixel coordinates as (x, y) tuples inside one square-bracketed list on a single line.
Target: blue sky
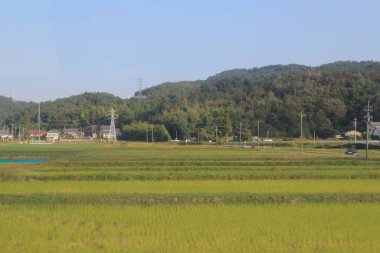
[(57, 48)]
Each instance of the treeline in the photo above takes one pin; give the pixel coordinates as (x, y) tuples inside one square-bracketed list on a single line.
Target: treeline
[(10, 108), (330, 96)]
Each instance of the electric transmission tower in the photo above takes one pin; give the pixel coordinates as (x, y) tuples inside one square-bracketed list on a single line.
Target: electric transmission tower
[(112, 133), (139, 92), (140, 81), (216, 134)]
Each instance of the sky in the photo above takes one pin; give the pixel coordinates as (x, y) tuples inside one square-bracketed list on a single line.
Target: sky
[(57, 48)]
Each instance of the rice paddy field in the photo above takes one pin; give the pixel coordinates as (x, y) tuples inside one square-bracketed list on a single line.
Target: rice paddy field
[(137, 197)]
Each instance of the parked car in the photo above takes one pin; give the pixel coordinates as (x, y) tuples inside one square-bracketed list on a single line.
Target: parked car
[(353, 152)]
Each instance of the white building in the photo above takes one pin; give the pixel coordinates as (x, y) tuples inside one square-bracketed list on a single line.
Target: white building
[(52, 136), (105, 132), (375, 129), (5, 135)]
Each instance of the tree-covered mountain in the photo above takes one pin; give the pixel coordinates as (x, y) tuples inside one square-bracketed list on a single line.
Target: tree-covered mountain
[(330, 96), (76, 111), (10, 108)]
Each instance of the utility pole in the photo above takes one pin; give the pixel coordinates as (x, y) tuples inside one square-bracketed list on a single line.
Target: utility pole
[(258, 133), (302, 116), (240, 134), (216, 134), (152, 134), (355, 125), (368, 118), (314, 137), (147, 135), (39, 122), (112, 133)]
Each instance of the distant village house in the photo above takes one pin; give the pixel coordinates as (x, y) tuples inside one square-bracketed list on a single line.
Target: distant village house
[(5, 135), (375, 129), (36, 134), (105, 132), (52, 136), (352, 134), (72, 133), (91, 131)]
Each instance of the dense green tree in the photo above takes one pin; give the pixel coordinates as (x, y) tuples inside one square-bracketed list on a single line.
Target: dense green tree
[(331, 96), (142, 131)]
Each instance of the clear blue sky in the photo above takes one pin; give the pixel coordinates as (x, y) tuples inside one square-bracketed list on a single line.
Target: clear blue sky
[(58, 48)]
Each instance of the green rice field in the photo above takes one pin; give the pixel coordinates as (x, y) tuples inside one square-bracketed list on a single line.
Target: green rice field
[(137, 197)]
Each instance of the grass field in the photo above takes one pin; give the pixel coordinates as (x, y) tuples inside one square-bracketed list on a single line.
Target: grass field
[(166, 198), (189, 228)]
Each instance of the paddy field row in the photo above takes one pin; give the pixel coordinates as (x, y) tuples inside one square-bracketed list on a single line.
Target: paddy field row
[(190, 228), (169, 198)]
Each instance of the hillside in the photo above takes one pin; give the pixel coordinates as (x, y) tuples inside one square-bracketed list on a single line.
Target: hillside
[(9, 108), (331, 96), (75, 111)]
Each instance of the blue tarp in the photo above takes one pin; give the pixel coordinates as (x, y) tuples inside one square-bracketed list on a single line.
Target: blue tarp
[(22, 160)]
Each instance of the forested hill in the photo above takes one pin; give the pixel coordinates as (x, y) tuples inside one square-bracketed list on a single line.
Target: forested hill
[(9, 108), (331, 96), (76, 111)]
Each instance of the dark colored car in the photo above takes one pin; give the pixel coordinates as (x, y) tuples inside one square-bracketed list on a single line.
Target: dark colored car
[(351, 152)]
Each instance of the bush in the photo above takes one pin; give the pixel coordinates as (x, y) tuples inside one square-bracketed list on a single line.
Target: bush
[(140, 131)]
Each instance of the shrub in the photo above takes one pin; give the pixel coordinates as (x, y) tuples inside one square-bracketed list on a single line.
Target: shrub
[(140, 131)]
